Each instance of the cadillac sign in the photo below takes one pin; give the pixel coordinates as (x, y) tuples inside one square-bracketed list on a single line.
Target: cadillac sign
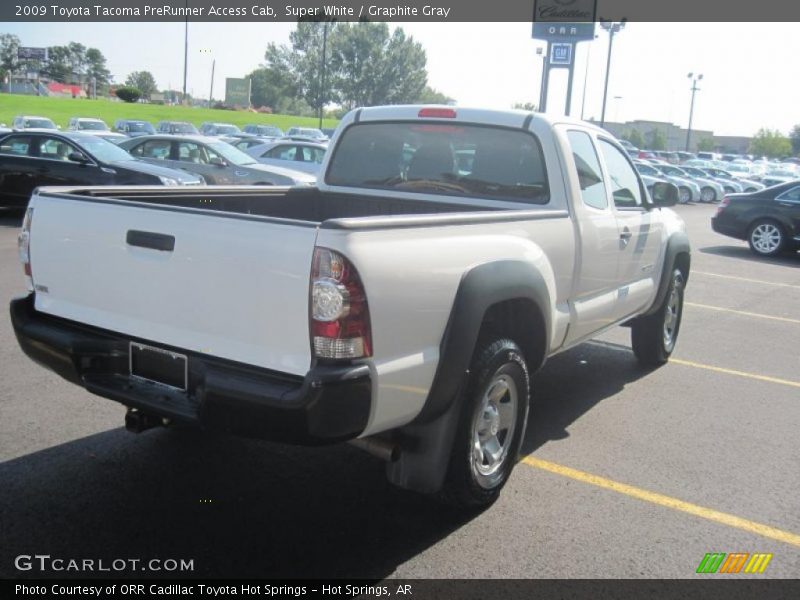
[(566, 20)]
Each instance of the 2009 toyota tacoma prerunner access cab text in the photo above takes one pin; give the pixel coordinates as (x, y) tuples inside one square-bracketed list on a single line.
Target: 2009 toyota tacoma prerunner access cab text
[(403, 303)]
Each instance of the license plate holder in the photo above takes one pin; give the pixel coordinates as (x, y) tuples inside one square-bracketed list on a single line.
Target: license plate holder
[(158, 366)]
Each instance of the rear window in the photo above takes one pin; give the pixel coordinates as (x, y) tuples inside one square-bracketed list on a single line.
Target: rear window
[(441, 158)]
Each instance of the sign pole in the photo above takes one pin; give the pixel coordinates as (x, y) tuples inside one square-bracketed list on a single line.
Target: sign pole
[(545, 80), (570, 72)]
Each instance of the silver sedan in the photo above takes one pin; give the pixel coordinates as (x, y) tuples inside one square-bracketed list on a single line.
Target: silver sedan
[(300, 156)]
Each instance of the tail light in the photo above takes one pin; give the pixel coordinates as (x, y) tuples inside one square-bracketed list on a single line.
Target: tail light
[(725, 202), (340, 324), (24, 247), (437, 113)]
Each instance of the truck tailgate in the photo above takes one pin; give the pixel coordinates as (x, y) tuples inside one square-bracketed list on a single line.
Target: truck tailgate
[(234, 287)]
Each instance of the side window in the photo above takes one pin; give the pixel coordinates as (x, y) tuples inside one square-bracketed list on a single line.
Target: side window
[(312, 154), (593, 190), (158, 149), (624, 182), (54, 149), (192, 153), (16, 144), (282, 152), (793, 195)]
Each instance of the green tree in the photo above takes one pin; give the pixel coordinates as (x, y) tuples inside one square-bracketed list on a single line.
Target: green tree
[(275, 82), (58, 66), (429, 95), (794, 138), (96, 69), (142, 81), (371, 67), (634, 137), (770, 143), (657, 140), (128, 94), (706, 144), (9, 43)]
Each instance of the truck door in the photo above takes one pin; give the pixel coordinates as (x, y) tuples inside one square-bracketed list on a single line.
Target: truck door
[(640, 232), (595, 279)]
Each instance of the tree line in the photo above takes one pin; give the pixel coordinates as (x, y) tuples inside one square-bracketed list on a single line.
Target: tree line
[(342, 64)]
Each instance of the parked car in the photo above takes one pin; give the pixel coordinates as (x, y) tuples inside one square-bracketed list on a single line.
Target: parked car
[(177, 128), (33, 158), (399, 306), (111, 136), (22, 122), (246, 141), (216, 161), (684, 156), (768, 219), (306, 134), (737, 173), (328, 131), (302, 156), (133, 128), (87, 125), (688, 190), (265, 131), (217, 129), (710, 190)]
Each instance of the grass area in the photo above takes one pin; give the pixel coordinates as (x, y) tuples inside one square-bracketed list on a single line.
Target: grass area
[(61, 110)]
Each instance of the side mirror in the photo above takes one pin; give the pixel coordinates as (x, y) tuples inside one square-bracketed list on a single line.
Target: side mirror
[(217, 161), (78, 158), (664, 194)]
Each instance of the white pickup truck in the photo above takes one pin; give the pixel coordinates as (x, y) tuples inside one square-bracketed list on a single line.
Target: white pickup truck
[(402, 304)]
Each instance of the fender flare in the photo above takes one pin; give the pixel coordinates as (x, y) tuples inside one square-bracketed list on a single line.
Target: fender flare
[(677, 244), (427, 441)]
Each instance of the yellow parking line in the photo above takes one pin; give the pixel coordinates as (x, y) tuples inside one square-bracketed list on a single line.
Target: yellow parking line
[(789, 285), (767, 378), (742, 312), (666, 501)]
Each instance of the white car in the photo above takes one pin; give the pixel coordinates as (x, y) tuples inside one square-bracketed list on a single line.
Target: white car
[(300, 156), (402, 305), (88, 125)]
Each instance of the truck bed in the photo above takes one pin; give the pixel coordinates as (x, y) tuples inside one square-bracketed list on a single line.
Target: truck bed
[(309, 205)]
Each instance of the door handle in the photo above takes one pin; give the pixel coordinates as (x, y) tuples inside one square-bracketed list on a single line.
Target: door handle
[(625, 235), (148, 239)]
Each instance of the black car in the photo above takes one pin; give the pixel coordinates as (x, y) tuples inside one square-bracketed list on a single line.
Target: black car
[(768, 219), (30, 159)]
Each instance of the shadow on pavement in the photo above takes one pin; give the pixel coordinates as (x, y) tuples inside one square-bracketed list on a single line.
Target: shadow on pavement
[(244, 508), (789, 259), (572, 383)]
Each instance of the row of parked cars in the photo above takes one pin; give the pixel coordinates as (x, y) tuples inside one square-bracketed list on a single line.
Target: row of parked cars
[(36, 152)]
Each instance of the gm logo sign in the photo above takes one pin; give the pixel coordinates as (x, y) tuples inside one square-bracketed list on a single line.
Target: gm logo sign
[(719, 562)]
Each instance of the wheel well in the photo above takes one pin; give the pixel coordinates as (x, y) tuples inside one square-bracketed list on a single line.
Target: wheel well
[(520, 320)]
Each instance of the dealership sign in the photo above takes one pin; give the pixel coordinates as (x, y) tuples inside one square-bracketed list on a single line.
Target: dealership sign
[(28, 53), (564, 19), (237, 92), (561, 54)]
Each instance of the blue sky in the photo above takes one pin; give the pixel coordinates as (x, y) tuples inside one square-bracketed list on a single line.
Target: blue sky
[(750, 73)]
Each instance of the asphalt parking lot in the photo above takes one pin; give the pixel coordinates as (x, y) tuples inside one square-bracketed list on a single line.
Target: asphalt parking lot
[(627, 473)]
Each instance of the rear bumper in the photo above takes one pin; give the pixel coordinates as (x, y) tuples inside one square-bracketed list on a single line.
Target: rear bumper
[(726, 228), (330, 404)]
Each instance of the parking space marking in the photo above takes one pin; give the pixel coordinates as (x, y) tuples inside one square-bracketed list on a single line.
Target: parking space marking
[(666, 501), (743, 312), (761, 281), (767, 378)]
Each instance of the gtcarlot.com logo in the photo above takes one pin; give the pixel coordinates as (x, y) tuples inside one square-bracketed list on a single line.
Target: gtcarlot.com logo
[(45, 563), (736, 562)]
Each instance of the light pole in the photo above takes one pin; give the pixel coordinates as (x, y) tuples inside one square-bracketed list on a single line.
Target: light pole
[(185, 52), (213, 66), (612, 27), (695, 79)]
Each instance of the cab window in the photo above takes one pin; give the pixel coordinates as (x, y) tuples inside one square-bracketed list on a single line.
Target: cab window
[(593, 189), (625, 187)]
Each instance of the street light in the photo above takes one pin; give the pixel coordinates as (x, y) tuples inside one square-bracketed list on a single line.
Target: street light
[(695, 79), (213, 65), (611, 27)]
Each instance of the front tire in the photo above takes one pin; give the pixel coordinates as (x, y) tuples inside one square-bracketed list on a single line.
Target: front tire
[(684, 195), (491, 426), (766, 238), (653, 337), (707, 194)]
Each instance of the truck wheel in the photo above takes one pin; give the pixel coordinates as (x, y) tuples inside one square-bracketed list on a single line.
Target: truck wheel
[(653, 337), (491, 426)]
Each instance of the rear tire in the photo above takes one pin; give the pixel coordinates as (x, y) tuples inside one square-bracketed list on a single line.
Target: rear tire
[(653, 337), (491, 425), (766, 238), (684, 195), (707, 194)]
